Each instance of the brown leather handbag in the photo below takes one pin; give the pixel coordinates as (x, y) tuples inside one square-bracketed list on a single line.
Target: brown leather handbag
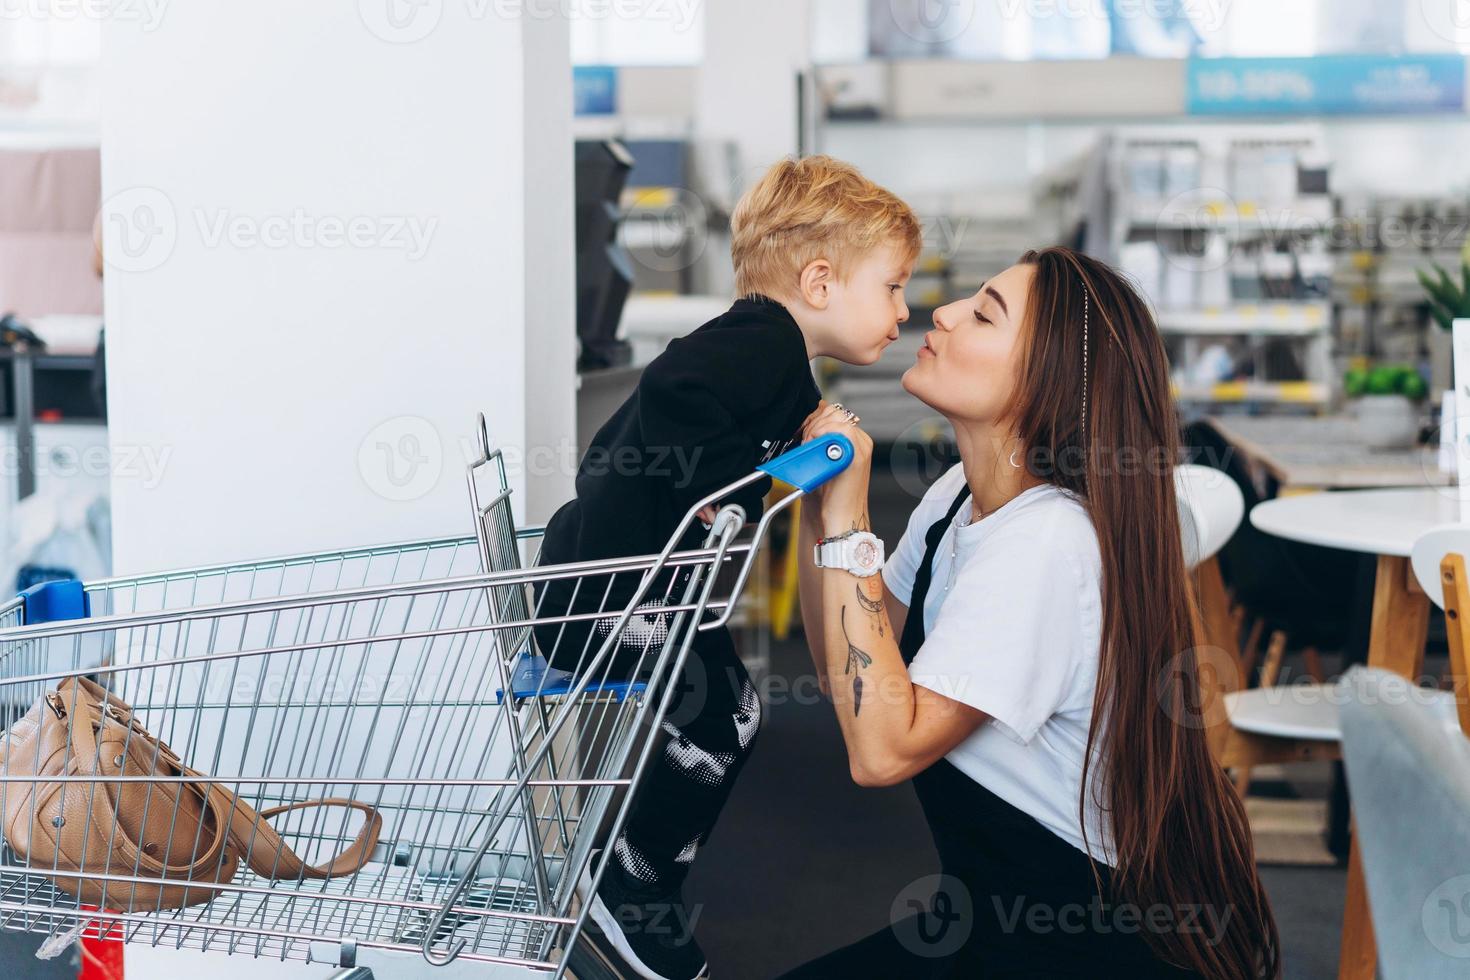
[(178, 833)]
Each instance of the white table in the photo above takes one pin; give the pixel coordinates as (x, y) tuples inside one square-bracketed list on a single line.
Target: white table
[(1374, 522), (1327, 452), (1383, 523)]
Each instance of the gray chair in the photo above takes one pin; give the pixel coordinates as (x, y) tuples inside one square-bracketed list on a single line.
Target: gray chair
[(1408, 765)]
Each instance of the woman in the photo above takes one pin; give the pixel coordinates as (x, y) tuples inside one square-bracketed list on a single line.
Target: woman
[(1040, 697)]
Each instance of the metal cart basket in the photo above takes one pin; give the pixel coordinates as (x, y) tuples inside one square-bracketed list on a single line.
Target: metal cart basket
[(401, 682)]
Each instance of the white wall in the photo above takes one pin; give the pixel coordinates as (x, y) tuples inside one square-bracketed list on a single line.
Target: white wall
[(305, 392), (310, 393), (753, 50)]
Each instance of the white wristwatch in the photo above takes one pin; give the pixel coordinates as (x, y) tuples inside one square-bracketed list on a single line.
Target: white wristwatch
[(857, 552)]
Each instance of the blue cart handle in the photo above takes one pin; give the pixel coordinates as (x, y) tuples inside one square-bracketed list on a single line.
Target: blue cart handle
[(809, 466)]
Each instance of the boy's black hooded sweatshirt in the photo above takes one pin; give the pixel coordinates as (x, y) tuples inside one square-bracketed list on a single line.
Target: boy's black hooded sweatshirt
[(706, 412)]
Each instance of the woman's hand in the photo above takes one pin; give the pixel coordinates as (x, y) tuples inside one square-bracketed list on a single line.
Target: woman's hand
[(843, 500)]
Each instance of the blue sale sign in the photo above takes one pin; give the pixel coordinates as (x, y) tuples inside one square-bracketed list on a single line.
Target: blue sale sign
[(1327, 85), (595, 90)]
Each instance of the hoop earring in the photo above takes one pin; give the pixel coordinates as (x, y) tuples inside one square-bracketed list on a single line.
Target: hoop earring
[(1014, 465)]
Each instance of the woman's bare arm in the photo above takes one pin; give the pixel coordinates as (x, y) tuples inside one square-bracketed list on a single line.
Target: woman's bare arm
[(893, 728)]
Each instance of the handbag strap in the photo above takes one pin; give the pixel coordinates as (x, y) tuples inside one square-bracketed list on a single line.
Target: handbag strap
[(271, 857)]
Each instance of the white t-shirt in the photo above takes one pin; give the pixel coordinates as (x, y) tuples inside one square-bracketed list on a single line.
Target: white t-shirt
[(1013, 625)]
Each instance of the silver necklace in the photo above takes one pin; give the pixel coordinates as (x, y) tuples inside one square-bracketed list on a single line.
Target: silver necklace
[(954, 545)]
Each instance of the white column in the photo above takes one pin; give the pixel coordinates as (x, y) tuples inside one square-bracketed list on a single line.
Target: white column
[(753, 51), (334, 232)]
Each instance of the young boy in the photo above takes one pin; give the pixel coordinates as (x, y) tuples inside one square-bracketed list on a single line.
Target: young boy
[(821, 255)]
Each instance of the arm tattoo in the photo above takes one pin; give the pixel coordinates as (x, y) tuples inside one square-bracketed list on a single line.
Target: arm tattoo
[(854, 657), (874, 606)]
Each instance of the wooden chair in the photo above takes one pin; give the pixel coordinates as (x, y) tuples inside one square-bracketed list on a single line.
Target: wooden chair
[(1256, 726), (1411, 788), (1264, 725), (1439, 563)]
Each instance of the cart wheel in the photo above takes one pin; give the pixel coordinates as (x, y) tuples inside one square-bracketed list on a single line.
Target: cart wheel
[(357, 973)]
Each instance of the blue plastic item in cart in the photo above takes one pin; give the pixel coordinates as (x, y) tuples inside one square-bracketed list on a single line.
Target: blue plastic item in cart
[(53, 601), (533, 677)]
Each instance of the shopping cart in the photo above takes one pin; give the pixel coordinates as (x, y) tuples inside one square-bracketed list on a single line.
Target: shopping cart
[(402, 678)]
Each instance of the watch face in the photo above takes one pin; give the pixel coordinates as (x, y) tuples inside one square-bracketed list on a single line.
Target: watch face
[(866, 554)]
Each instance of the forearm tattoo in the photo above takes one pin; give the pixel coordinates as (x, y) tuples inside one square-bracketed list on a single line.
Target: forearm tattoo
[(856, 659), (874, 606)]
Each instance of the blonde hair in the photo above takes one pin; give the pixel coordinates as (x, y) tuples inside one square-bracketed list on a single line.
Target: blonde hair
[(814, 208)]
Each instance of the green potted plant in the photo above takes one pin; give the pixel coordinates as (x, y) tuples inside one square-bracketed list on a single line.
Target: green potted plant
[(1448, 297), (1448, 300), (1386, 402)]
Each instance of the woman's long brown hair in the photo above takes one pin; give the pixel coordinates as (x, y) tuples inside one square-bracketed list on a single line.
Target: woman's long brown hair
[(1180, 836)]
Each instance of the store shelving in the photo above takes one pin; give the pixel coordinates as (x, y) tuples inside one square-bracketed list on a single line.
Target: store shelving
[(1309, 393), (1209, 210), (1286, 319)]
